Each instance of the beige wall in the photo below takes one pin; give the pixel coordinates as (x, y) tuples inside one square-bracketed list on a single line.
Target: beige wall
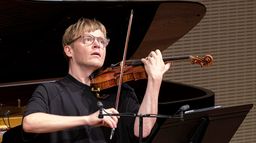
[(228, 32)]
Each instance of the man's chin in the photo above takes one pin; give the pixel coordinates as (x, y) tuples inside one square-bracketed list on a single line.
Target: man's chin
[(97, 65)]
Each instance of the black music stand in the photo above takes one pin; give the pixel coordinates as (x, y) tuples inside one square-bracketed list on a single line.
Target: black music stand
[(216, 125)]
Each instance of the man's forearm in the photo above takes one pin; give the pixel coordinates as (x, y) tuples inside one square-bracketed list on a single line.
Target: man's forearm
[(44, 123), (149, 105)]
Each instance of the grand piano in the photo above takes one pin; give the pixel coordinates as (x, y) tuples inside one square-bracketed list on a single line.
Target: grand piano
[(31, 50)]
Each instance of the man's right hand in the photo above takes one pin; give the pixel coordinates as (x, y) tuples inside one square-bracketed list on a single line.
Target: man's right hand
[(107, 121)]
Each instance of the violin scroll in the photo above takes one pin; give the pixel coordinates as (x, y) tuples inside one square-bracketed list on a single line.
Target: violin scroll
[(207, 60)]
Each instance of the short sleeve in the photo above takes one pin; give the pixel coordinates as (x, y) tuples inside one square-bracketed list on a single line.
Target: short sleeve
[(39, 100)]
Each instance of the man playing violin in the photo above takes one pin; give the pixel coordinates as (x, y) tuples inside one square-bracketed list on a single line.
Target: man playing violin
[(66, 111)]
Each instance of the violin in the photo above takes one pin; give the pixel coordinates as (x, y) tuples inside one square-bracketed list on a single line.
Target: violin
[(130, 70), (134, 70)]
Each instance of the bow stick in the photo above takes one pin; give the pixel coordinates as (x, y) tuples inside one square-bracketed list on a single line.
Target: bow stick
[(122, 64)]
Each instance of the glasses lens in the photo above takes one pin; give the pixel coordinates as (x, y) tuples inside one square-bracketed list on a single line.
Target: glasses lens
[(102, 41), (90, 39)]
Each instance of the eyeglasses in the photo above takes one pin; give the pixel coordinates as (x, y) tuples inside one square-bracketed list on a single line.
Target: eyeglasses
[(89, 39)]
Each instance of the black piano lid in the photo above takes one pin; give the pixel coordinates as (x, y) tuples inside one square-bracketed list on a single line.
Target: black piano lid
[(31, 49), (31, 32)]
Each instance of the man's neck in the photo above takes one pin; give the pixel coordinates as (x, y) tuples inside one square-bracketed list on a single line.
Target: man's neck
[(81, 75)]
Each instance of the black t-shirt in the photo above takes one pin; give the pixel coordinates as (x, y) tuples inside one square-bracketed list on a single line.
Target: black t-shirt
[(69, 97)]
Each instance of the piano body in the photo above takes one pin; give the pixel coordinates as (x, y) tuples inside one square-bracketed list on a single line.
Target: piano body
[(31, 51)]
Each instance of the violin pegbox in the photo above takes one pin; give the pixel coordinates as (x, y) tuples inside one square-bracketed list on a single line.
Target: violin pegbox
[(207, 60)]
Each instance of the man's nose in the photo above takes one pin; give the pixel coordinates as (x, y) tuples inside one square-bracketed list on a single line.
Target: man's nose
[(96, 43)]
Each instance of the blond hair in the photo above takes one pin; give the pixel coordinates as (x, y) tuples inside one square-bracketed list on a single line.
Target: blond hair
[(83, 25)]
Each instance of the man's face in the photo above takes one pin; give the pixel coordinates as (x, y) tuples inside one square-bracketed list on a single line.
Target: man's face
[(89, 51)]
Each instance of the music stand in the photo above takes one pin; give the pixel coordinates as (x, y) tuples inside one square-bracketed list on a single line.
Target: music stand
[(216, 125)]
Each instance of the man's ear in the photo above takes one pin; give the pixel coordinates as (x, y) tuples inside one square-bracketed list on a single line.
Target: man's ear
[(68, 50)]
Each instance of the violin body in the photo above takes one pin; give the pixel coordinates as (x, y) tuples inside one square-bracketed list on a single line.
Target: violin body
[(110, 77)]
